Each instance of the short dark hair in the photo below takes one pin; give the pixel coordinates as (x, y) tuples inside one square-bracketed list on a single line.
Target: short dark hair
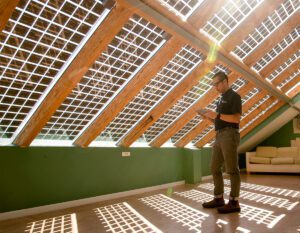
[(221, 74)]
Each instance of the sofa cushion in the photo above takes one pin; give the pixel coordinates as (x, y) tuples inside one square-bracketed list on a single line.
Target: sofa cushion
[(297, 143), (261, 160), (266, 151), (284, 152), (282, 161)]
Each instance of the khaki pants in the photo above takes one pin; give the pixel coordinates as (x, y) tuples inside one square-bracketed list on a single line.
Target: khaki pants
[(225, 153)]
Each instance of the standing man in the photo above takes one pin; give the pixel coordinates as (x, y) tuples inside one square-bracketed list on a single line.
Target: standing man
[(226, 120)]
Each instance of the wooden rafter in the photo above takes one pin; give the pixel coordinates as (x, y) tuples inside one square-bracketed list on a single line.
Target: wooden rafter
[(184, 119), (206, 139), (280, 59), (70, 78), (294, 92), (291, 84), (189, 115), (287, 73), (193, 133), (204, 12), (252, 21), (151, 117), (262, 118), (7, 7), (162, 25), (257, 111), (183, 29), (245, 89), (280, 33), (254, 100), (162, 57)]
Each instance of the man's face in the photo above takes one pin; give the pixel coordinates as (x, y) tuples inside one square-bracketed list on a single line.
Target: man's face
[(220, 84)]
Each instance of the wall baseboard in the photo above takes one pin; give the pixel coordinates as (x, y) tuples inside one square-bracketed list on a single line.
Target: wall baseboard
[(205, 178), (85, 201)]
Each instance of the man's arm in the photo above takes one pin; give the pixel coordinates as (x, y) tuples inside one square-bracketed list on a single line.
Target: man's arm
[(232, 118)]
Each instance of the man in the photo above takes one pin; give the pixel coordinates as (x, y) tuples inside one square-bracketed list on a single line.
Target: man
[(226, 120)]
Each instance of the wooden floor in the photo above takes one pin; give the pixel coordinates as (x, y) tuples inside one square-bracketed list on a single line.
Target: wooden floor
[(270, 203)]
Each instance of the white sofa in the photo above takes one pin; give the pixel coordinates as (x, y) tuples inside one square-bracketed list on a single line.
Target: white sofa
[(272, 159)]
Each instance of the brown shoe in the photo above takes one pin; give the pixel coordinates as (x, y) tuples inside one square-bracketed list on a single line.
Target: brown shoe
[(216, 202), (232, 206)]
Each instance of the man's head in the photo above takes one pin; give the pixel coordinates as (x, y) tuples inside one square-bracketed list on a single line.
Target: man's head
[(220, 82)]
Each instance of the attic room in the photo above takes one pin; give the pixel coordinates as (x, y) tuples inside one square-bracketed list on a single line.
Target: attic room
[(101, 128)]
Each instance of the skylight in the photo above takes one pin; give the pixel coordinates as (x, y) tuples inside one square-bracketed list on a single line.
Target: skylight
[(187, 128), (270, 56), (228, 18), (183, 104), (37, 44), (262, 112), (250, 95), (268, 26), (294, 58), (203, 134), (171, 75), (182, 8), (286, 81), (128, 52)]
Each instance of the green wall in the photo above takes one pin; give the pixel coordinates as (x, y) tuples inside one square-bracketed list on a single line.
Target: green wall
[(205, 158), (281, 137), (273, 116), (39, 176), (192, 164)]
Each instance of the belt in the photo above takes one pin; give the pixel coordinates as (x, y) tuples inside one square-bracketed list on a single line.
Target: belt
[(226, 128)]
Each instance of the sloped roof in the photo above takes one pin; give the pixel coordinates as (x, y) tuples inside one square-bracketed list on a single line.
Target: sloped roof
[(121, 72)]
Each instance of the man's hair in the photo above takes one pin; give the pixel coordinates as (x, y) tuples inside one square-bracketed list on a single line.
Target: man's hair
[(222, 76)]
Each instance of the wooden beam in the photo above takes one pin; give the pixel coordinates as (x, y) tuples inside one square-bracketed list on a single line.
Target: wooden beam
[(7, 7), (291, 84), (184, 119), (193, 133), (250, 103), (188, 115), (156, 5), (278, 35), (80, 65), (175, 26), (151, 117), (206, 139), (205, 11), (162, 57), (294, 92), (257, 111), (261, 118), (245, 89), (253, 20), (281, 58), (293, 68)]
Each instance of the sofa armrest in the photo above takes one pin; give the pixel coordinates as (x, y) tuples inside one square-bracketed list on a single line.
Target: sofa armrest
[(248, 155)]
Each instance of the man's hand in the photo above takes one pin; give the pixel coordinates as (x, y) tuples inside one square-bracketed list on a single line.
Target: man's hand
[(207, 114)]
